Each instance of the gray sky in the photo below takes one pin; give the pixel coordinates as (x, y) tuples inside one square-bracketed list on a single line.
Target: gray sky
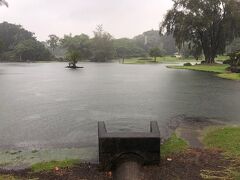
[(122, 18)]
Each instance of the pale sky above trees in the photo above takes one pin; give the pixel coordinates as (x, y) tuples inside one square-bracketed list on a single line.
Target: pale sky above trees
[(122, 18)]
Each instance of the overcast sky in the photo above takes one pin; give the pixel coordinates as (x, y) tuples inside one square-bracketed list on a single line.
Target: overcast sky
[(122, 18)]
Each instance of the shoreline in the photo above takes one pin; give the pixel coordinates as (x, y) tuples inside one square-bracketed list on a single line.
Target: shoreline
[(219, 70), (181, 157)]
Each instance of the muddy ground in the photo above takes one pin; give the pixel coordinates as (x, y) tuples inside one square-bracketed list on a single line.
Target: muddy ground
[(196, 163), (186, 166)]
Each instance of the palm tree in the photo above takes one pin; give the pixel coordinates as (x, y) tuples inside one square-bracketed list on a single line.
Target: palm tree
[(3, 2)]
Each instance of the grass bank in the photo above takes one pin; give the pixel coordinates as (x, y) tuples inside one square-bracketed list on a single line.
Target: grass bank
[(49, 166), (164, 59), (220, 159), (219, 69)]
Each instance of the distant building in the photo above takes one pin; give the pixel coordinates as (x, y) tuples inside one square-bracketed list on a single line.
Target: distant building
[(177, 55), (146, 40)]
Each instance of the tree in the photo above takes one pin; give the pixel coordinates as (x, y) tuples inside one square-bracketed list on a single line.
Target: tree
[(211, 24), (125, 47), (123, 52), (191, 49), (16, 43), (102, 45), (53, 41), (73, 57), (31, 50), (78, 48), (155, 52), (3, 2), (80, 43), (234, 46), (11, 35)]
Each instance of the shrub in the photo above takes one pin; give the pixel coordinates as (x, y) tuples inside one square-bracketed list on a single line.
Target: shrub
[(187, 64)]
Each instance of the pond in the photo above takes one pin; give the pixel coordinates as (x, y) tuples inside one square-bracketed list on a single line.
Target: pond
[(44, 105)]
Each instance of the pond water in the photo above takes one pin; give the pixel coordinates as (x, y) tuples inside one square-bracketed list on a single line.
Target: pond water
[(44, 105)]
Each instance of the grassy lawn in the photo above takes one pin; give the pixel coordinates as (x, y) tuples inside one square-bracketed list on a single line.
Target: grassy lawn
[(164, 59), (173, 145), (228, 140), (216, 68), (222, 58), (225, 138), (48, 166), (231, 76), (7, 177), (220, 69)]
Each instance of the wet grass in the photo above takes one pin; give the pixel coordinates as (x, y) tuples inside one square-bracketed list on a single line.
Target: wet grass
[(173, 145), (216, 68), (164, 59), (221, 58), (49, 166), (226, 139), (231, 76), (8, 177), (220, 69)]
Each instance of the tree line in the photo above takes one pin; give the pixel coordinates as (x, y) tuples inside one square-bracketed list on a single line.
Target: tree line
[(104, 47), (191, 27), (19, 44)]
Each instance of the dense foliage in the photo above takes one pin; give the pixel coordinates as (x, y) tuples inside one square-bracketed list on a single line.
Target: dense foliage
[(208, 24), (53, 41), (103, 47), (78, 47), (18, 44)]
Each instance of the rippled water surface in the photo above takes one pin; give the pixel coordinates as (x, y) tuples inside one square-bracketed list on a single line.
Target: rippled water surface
[(44, 105)]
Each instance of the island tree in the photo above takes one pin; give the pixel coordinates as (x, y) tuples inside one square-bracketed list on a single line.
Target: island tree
[(73, 57), (78, 48), (211, 24)]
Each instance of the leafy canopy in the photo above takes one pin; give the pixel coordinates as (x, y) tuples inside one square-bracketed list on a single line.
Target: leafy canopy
[(3, 2), (208, 24)]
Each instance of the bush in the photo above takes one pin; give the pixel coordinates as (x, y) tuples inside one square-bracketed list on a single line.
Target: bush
[(227, 61), (187, 64), (235, 69)]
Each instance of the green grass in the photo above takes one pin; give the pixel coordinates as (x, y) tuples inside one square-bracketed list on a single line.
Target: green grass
[(164, 59), (228, 140), (48, 166), (173, 145), (225, 138), (7, 177), (231, 76), (220, 69), (137, 61), (216, 68), (222, 58)]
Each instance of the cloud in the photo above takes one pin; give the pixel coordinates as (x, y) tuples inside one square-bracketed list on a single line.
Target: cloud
[(122, 18)]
